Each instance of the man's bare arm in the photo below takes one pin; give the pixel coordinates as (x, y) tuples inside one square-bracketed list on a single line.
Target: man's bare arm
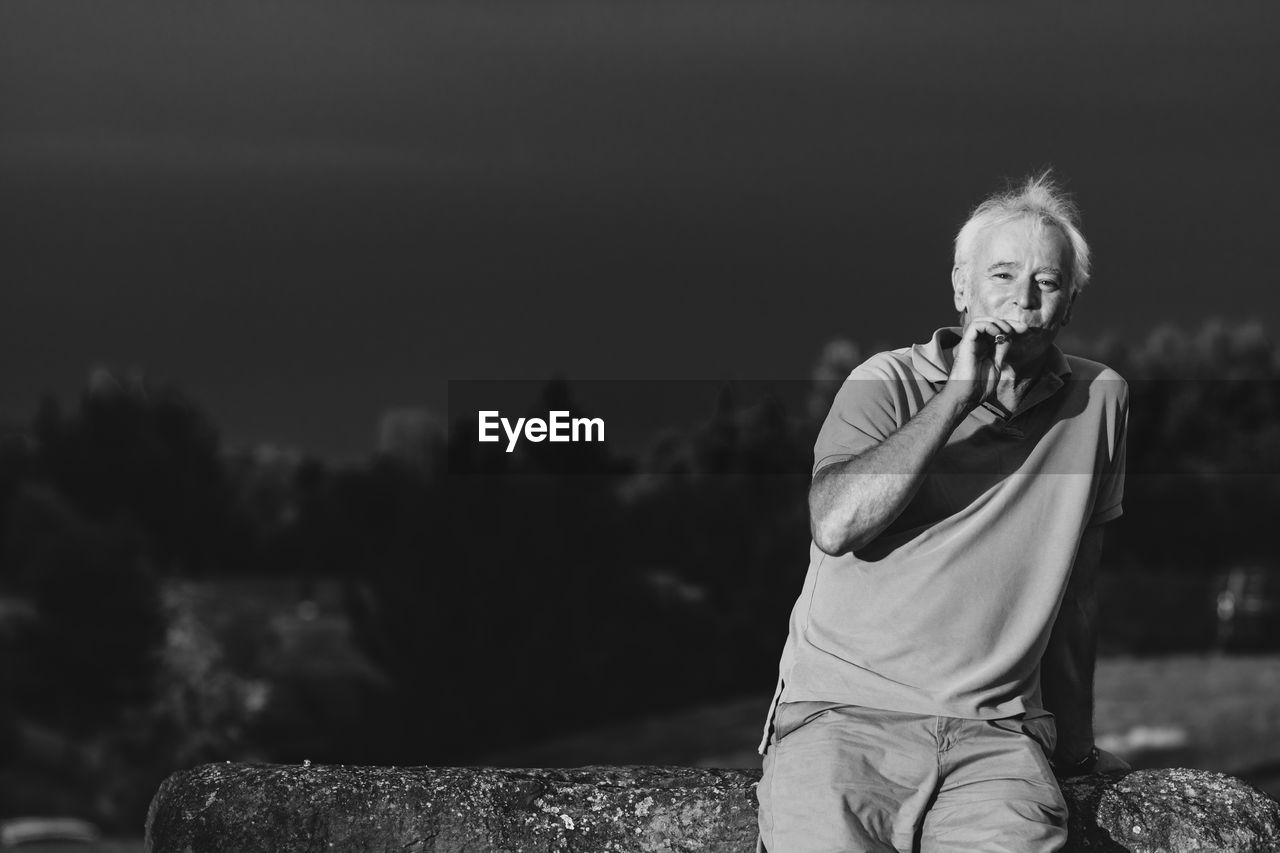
[(851, 502)]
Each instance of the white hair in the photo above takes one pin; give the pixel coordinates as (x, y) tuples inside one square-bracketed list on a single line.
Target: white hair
[(1041, 200)]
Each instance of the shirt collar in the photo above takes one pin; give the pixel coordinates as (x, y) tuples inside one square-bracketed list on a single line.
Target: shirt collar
[(932, 359)]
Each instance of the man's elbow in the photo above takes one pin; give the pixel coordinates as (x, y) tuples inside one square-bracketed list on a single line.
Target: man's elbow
[(827, 543), (833, 524), (833, 540)]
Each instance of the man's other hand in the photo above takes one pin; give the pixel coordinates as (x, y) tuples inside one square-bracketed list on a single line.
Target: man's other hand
[(1109, 762), (1106, 762)]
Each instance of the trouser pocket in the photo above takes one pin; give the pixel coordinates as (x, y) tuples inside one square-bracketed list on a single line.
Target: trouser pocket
[(1037, 725), (792, 715)]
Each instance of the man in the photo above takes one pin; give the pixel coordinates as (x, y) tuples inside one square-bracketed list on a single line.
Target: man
[(939, 663)]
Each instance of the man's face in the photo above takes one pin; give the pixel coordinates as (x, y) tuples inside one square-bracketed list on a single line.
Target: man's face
[(1018, 271)]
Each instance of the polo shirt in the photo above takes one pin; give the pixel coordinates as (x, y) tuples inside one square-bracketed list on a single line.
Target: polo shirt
[(948, 611)]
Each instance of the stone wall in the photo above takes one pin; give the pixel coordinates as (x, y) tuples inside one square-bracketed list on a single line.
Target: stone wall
[(236, 808)]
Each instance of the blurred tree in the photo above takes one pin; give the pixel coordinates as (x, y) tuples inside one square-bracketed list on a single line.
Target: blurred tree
[(1203, 450), (838, 359), (483, 589), (497, 590), (413, 437), (148, 457), (17, 466), (719, 515), (93, 648)]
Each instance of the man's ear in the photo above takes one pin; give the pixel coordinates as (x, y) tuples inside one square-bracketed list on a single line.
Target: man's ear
[(960, 287)]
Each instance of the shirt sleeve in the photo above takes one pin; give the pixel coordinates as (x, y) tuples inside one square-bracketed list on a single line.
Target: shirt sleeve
[(862, 415), (1107, 505)]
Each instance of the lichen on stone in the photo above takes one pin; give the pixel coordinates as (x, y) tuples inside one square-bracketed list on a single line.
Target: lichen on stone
[(288, 809)]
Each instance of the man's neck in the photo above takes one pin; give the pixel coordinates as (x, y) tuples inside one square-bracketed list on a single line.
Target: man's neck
[(1025, 368), (1018, 374)]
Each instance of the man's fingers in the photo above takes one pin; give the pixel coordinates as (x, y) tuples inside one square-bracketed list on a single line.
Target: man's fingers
[(1000, 327), (988, 340), (989, 326), (1002, 333), (1002, 350)]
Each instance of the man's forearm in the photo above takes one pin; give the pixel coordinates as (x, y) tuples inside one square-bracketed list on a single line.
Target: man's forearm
[(1066, 678), (1066, 670), (851, 502)]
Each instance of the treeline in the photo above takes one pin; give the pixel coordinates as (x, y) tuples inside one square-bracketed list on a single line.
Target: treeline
[(556, 589)]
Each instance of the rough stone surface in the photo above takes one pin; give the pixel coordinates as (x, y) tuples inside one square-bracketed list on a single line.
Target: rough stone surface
[(1171, 811), (281, 809), (236, 808)]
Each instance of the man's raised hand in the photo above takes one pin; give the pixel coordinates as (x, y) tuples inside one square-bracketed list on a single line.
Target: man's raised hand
[(979, 357)]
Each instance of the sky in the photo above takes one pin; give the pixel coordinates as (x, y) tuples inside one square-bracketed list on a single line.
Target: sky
[(305, 214)]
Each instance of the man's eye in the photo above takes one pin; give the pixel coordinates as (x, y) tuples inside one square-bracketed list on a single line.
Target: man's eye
[(1048, 284), (1001, 275)]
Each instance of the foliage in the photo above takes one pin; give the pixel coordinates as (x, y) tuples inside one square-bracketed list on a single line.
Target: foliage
[(92, 649), (507, 597), (1203, 447), (147, 456)]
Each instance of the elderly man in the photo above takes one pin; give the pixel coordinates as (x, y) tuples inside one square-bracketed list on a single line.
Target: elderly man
[(939, 664)]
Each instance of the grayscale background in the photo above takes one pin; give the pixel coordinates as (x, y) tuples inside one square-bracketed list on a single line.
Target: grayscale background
[(258, 260)]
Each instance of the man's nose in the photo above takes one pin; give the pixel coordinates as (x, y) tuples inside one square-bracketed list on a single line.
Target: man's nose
[(1028, 293)]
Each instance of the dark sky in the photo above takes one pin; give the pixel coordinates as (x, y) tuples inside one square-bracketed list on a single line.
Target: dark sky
[(304, 214)]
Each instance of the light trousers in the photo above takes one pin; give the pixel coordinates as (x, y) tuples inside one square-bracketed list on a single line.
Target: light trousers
[(846, 778)]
